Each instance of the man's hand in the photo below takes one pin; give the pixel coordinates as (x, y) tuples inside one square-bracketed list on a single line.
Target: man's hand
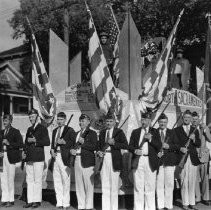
[(203, 126), (192, 137), (1, 154), (165, 146), (81, 140), (148, 136), (100, 154), (6, 142), (23, 155), (160, 154), (61, 141), (138, 152), (111, 141), (31, 140), (183, 150), (53, 154), (73, 151)]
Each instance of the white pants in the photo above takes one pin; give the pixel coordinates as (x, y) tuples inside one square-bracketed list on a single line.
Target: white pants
[(144, 185), (165, 187), (188, 183), (61, 178), (84, 181), (34, 172), (110, 184), (7, 180)]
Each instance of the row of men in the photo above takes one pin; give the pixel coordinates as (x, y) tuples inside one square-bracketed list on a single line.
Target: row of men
[(155, 154)]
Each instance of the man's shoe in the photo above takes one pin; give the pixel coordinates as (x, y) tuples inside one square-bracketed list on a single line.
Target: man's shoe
[(3, 204), (185, 208), (59, 207), (36, 205), (206, 203), (9, 204), (192, 207), (28, 205)]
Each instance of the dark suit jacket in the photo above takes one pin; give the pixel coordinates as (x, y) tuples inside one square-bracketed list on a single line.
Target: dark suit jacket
[(120, 143), (15, 144), (35, 151), (171, 155), (182, 140), (88, 148), (69, 137), (153, 147)]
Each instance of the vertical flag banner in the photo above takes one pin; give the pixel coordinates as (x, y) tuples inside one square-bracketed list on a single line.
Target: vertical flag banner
[(43, 97), (113, 30), (102, 84), (155, 87)]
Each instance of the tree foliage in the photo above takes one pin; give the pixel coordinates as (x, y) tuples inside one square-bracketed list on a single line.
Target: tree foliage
[(152, 17)]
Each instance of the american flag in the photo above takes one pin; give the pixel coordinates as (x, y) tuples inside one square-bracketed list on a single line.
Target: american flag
[(155, 87), (102, 84), (43, 97), (114, 32)]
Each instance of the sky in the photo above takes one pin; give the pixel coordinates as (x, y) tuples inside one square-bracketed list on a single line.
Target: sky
[(7, 7)]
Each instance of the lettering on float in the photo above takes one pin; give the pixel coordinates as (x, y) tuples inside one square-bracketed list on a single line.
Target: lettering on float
[(182, 98)]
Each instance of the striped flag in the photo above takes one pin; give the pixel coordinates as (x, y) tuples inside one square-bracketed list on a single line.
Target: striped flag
[(102, 84), (43, 97), (155, 87), (114, 32), (200, 81)]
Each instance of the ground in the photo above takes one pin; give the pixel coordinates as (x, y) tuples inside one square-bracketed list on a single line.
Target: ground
[(49, 202)]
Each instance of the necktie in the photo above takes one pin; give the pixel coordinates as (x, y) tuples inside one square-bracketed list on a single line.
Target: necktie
[(107, 136), (187, 130), (58, 135), (5, 132), (162, 136)]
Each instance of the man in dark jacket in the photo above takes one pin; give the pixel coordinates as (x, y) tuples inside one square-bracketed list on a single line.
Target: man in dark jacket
[(86, 143), (63, 139), (168, 159), (144, 145), (188, 174), (111, 141), (36, 139), (11, 143)]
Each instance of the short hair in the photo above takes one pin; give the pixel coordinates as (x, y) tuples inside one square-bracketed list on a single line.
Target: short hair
[(84, 116), (162, 116), (8, 116), (187, 112), (110, 116), (195, 114), (62, 115), (33, 111)]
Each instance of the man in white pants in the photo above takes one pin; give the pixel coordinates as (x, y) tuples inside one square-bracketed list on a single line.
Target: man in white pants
[(168, 159), (188, 174), (144, 144), (63, 139), (111, 141), (86, 143), (36, 138), (10, 143)]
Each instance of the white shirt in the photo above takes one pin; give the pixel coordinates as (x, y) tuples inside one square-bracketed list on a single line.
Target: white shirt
[(62, 128), (110, 135), (145, 145), (164, 132), (185, 127)]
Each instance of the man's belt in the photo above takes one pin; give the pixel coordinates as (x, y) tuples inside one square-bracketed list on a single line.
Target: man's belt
[(78, 154)]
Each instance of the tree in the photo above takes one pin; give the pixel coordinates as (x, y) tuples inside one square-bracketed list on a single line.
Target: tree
[(152, 17)]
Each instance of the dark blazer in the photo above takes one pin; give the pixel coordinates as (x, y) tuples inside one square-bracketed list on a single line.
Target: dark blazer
[(153, 147), (35, 151), (69, 137), (88, 148), (171, 155), (15, 144), (182, 140), (120, 143)]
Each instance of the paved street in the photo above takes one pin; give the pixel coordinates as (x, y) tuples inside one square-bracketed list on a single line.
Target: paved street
[(49, 202)]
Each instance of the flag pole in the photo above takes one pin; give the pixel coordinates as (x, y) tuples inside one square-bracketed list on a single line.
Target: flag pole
[(205, 84)]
